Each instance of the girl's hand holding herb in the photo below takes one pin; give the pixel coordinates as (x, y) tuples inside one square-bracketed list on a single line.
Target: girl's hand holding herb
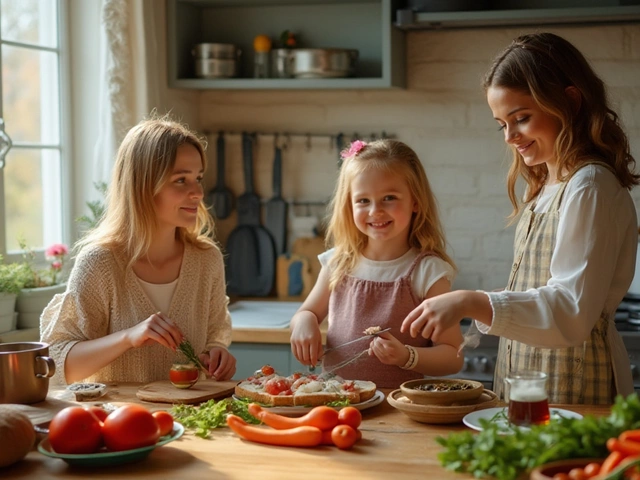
[(158, 328), (220, 364)]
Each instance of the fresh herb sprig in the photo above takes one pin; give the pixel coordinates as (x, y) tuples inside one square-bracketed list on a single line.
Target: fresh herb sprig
[(211, 414), (491, 453), (187, 350)]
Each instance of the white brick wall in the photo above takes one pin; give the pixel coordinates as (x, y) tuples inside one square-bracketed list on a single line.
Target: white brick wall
[(442, 115)]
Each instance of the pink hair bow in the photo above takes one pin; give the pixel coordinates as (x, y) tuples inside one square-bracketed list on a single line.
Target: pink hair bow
[(354, 149)]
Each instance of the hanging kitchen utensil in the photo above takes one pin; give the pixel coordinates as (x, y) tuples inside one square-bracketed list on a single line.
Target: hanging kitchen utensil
[(220, 197), (340, 146), (251, 260), (276, 210)]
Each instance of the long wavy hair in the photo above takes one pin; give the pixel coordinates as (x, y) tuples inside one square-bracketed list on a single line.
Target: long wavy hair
[(394, 157), (143, 165), (544, 65)]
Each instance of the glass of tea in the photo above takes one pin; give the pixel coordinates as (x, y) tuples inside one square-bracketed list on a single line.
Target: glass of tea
[(528, 400)]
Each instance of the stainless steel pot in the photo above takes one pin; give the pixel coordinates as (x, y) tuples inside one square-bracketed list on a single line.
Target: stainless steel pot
[(25, 368), (324, 62), (215, 50), (216, 68), (282, 63)]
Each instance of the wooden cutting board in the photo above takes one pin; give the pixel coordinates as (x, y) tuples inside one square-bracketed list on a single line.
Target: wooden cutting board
[(163, 391)]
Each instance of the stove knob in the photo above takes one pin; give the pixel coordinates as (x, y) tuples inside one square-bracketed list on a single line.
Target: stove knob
[(481, 364), (634, 371), (465, 365)]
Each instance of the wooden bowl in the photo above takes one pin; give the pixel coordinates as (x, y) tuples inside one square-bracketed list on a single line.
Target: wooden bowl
[(440, 414), (414, 390), (548, 470)]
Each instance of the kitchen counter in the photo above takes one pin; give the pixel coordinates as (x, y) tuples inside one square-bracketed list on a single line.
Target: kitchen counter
[(268, 335), (393, 446)]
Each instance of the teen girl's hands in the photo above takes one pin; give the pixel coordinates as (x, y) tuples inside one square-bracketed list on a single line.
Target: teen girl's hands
[(389, 350), (158, 328), (219, 362)]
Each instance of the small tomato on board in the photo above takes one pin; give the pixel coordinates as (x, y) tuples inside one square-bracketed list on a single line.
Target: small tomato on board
[(165, 422), (75, 430), (184, 375), (130, 426), (344, 437), (350, 416), (268, 370)]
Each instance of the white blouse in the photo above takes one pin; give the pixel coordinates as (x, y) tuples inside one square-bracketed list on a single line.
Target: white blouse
[(592, 267)]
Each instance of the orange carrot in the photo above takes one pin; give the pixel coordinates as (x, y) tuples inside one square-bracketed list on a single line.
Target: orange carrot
[(633, 435), (304, 436), (611, 462), (626, 447), (322, 417)]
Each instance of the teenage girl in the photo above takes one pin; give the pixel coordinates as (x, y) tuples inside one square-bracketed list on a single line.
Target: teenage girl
[(388, 256), (149, 275), (576, 239)]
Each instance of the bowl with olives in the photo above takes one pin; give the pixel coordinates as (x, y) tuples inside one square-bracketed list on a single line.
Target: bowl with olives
[(442, 391)]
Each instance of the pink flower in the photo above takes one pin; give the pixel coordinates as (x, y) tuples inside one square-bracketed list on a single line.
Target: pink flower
[(56, 265), (56, 250), (354, 149)]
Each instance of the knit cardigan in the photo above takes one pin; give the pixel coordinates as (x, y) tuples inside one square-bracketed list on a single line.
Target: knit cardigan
[(104, 296)]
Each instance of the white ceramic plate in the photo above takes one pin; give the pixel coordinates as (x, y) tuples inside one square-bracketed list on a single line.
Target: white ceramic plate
[(499, 415), (377, 399)]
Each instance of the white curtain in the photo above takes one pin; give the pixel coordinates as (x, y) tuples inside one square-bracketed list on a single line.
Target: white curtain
[(129, 73)]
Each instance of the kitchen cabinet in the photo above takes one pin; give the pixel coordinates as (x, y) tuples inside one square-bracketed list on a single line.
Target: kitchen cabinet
[(521, 13), (365, 25), (252, 356)]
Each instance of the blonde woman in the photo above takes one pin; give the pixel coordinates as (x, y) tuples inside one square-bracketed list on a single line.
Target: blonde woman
[(389, 255), (149, 275)]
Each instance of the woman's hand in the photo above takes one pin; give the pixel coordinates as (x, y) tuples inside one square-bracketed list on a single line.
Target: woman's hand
[(434, 316), (220, 363), (158, 328), (306, 339), (389, 350)]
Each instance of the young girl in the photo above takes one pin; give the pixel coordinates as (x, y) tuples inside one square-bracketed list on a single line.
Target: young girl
[(576, 240), (388, 256), (149, 275)]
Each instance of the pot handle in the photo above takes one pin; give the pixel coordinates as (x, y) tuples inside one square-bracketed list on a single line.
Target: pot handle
[(50, 365)]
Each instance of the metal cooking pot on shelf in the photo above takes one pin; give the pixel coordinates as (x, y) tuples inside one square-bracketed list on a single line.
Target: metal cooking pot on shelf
[(323, 62), (216, 60), (25, 369)]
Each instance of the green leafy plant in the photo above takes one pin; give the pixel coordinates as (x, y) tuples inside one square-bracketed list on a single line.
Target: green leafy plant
[(96, 207), (211, 414), (491, 453), (13, 277), (43, 277)]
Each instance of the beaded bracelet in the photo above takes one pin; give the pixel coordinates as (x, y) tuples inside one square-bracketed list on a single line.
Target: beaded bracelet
[(412, 362)]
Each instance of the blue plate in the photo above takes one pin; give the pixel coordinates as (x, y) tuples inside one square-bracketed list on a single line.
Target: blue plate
[(104, 458)]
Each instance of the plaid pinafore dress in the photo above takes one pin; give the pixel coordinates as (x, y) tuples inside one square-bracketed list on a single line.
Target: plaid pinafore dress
[(582, 374)]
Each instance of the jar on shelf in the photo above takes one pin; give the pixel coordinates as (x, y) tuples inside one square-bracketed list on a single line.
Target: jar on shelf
[(261, 58)]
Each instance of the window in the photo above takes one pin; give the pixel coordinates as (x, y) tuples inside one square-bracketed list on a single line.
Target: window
[(32, 182)]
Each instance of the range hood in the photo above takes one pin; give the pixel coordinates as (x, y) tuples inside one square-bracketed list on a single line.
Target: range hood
[(407, 19)]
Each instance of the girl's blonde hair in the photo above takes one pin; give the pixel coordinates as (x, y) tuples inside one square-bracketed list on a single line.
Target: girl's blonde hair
[(394, 157), (544, 65), (143, 165)]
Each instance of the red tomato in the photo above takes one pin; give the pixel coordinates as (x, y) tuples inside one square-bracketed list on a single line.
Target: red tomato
[(344, 436), (577, 474), (101, 413), (183, 376), (75, 430), (276, 385), (350, 416), (268, 370), (130, 426), (165, 422), (592, 470)]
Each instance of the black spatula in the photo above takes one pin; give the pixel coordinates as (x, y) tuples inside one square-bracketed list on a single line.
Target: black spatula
[(276, 208), (221, 198)]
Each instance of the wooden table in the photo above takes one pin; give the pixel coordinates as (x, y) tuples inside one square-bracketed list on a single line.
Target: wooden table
[(393, 447)]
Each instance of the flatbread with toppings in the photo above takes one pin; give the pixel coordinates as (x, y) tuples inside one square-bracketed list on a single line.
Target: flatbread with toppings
[(302, 389)]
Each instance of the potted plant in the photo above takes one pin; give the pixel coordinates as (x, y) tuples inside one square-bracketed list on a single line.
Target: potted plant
[(12, 279), (40, 284)]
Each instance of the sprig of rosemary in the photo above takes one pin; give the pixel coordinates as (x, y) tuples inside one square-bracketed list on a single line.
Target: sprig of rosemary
[(187, 350)]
